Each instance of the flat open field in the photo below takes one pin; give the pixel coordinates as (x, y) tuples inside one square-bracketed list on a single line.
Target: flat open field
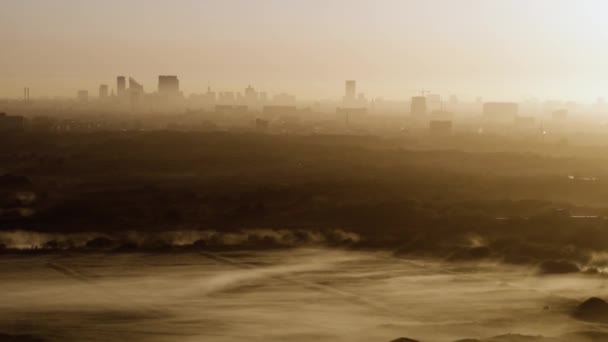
[(297, 295)]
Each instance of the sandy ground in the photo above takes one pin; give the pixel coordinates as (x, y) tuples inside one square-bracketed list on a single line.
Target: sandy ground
[(297, 295)]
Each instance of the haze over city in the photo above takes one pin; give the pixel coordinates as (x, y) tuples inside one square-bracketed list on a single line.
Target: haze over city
[(304, 170), (501, 50)]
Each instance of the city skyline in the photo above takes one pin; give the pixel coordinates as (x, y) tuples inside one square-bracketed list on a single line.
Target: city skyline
[(304, 170), (470, 48), (352, 95)]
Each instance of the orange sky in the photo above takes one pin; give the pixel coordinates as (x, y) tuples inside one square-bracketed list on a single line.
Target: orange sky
[(500, 49)]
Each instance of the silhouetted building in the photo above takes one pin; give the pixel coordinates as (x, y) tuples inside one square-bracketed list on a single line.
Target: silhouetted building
[(135, 86), (121, 85), (440, 127), (418, 106), (83, 95), (168, 85), (251, 96), (136, 93), (350, 93), (103, 91), (500, 110), (11, 123)]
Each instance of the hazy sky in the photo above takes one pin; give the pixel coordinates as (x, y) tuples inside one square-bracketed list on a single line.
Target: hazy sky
[(500, 49)]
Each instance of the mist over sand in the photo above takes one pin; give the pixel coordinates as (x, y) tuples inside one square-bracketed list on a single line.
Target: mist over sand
[(326, 295)]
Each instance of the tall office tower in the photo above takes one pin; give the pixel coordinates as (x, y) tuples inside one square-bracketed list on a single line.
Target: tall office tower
[(103, 91), (136, 93), (134, 86), (350, 93), (168, 85), (418, 106), (121, 85)]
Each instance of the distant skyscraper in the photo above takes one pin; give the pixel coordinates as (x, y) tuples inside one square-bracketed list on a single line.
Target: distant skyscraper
[(418, 106), (136, 93), (135, 86), (168, 85), (103, 91), (121, 85), (350, 93), (350, 89)]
